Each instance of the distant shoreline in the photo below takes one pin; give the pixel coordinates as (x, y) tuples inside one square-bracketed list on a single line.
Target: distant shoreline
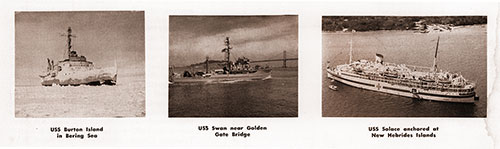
[(373, 23), (409, 30)]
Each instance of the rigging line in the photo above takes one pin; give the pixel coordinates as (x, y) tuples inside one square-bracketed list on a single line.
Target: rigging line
[(234, 56), (291, 55), (273, 56), (278, 55), (65, 51), (382, 43), (270, 57), (334, 57)]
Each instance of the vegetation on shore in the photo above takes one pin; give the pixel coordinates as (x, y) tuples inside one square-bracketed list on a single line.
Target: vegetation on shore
[(373, 23)]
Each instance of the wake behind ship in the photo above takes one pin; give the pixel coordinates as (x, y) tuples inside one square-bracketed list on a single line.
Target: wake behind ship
[(225, 70), (76, 70), (404, 80)]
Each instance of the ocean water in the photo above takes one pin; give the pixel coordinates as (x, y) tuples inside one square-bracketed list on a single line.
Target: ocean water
[(462, 50), (274, 97), (125, 99)]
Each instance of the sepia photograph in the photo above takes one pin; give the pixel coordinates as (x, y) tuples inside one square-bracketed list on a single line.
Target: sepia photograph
[(79, 64), (404, 66), (233, 66)]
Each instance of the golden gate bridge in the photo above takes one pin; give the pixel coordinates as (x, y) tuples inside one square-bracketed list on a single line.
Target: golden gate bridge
[(284, 59)]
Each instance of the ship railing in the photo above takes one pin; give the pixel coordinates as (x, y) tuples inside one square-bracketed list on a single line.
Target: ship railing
[(418, 84), (412, 67)]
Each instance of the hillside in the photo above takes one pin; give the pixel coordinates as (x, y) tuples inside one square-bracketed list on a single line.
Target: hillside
[(372, 23)]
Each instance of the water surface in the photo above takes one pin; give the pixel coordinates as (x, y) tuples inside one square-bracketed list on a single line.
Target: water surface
[(275, 97)]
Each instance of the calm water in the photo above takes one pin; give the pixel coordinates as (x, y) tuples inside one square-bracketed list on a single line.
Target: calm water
[(275, 97), (462, 50)]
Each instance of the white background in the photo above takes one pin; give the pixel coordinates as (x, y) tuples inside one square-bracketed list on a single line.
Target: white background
[(309, 130)]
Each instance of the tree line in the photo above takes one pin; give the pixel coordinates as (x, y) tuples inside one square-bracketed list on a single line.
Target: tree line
[(372, 23)]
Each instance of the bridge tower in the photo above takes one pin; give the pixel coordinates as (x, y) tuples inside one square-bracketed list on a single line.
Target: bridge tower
[(206, 65), (284, 59)]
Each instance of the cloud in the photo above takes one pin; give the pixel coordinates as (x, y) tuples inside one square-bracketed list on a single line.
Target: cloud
[(253, 37)]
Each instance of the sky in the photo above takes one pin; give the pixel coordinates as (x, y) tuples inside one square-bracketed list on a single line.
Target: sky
[(193, 38), (102, 37)]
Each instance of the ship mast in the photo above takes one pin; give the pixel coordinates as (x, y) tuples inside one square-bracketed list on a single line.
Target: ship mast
[(69, 35), (434, 65), (350, 51), (227, 50)]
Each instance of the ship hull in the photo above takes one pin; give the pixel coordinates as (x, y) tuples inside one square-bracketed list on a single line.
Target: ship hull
[(107, 76), (398, 90), (260, 75)]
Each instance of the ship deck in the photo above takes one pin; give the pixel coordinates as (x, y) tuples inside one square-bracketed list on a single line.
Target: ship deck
[(420, 84)]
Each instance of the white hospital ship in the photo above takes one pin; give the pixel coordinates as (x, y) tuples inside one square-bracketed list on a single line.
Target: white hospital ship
[(404, 80)]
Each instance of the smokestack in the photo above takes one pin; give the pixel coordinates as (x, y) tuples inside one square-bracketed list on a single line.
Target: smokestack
[(379, 58)]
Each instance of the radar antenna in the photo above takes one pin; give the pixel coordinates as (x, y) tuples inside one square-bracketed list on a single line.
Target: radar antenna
[(69, 35)]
